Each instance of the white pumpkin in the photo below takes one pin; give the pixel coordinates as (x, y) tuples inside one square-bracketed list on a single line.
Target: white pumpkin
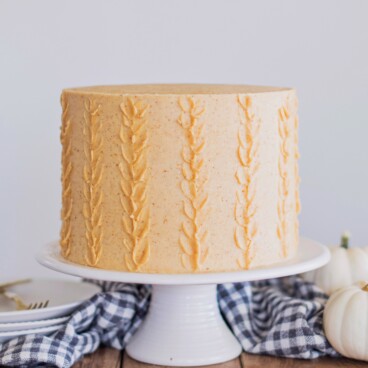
[(345, 321), (347, 266)]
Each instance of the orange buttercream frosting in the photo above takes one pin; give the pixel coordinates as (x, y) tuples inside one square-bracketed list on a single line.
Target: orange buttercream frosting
[(179, 178)]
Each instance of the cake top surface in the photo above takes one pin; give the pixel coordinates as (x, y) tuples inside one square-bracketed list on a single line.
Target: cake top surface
[(175, 89)]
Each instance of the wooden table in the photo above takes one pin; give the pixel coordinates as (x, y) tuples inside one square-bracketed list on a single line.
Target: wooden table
[(111, 358)]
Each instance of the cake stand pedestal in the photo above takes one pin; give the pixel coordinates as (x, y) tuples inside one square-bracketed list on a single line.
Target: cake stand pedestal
[(184, 326)]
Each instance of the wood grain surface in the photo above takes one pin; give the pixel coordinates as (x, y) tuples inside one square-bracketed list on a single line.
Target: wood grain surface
[(111, 358)]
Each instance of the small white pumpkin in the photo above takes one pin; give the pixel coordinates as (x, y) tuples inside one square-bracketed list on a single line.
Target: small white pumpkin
[(347, 266), (345, 321)]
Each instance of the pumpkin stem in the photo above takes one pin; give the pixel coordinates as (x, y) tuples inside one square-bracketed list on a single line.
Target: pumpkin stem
[(345, 237), (365, 288)]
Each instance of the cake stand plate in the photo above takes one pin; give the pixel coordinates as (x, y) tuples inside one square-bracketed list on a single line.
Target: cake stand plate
[(184, 326)]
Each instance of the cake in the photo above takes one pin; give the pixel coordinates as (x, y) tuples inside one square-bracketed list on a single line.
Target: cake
[(179, 178)]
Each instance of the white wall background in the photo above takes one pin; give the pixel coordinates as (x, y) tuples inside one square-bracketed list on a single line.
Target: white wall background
[(319, 47)]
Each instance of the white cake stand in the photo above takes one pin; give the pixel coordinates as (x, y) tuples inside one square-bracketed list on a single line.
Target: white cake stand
[(184, 326)]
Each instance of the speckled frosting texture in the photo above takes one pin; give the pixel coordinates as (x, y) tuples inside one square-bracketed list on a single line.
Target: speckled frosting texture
[(179, 178)]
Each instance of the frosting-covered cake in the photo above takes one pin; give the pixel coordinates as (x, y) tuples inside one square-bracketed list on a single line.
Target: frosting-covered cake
[(179, 178)]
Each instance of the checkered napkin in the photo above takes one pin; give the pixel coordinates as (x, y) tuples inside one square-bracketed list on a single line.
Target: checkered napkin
[(281, 317)]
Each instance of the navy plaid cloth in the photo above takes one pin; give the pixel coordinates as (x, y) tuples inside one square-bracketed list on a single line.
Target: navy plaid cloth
[(281, 317)]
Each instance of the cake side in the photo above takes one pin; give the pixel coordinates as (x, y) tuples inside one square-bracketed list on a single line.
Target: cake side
[(169, 183)]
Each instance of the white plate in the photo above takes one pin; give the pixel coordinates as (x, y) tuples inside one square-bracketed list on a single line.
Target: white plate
[(311, 255), (63, 296), (5, 336), (18, 326)]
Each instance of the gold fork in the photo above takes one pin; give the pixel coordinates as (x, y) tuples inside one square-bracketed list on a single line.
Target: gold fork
[(20, 305), (39, 305)]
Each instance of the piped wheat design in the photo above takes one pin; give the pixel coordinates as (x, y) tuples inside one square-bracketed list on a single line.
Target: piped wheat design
[(193, 235), (92, 175), (296, 173), (245, 208), (282, 206), (133, 169), (67, 201)]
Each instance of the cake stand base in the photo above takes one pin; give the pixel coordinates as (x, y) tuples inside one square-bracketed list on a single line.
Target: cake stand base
[(184, 326)]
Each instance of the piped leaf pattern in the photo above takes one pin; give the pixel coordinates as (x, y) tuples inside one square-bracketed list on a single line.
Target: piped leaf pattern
[(193, 238), (246, 176), (134, 181), (92, 177), (67, 201), (296, 173), (284, 181)]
